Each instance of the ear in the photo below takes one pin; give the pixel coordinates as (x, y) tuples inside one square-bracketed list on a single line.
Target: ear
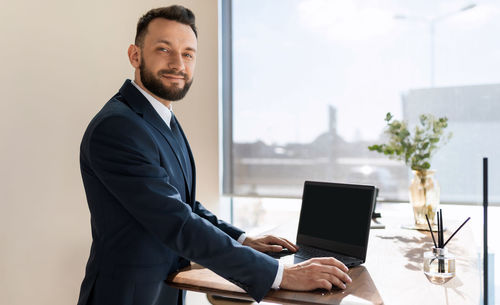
[(134, 55)]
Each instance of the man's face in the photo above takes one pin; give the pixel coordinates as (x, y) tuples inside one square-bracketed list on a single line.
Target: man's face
[(167, 59)]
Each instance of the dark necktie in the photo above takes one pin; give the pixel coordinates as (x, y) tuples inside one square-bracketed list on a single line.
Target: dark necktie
[(174, 127)]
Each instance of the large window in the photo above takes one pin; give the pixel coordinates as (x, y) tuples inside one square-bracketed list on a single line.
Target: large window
[(309, 83)]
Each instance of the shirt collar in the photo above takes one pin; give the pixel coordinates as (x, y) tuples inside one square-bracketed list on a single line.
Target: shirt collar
[(163, 111)]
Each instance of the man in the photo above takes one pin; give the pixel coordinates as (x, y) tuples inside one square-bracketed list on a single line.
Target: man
[(139, 177)]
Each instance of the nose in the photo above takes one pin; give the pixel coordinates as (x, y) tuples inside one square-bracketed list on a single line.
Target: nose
[(176, 62)]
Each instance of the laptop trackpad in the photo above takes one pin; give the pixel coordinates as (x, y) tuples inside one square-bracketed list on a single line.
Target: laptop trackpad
[(298, 259), (348, 263)]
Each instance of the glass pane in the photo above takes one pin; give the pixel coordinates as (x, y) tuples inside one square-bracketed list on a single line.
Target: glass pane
[(314, 79)]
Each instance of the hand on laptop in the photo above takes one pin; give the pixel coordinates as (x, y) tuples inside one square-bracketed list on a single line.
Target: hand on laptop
[(269, 243), (320, 272)]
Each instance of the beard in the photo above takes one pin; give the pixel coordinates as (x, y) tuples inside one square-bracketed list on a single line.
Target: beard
[(155, 85)]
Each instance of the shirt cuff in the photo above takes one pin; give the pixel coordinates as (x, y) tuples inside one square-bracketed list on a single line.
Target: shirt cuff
[(279, 276), (242, 238)]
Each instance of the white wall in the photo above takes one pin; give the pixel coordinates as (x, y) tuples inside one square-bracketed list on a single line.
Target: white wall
[(61, 61)]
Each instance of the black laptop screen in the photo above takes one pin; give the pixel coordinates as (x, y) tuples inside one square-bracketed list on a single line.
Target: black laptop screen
[(336, 212)]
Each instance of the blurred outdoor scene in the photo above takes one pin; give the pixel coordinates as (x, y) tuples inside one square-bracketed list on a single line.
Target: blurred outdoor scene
[(314, 79)]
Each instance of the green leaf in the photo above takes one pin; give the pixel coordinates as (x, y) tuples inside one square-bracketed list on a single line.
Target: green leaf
[(414, 148)]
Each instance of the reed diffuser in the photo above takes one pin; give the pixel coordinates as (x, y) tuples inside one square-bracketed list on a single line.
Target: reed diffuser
[(439, 265)]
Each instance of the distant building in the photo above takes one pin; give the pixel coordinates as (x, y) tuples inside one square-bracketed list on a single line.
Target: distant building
[(280, 170), (473, 114), (474, 118)]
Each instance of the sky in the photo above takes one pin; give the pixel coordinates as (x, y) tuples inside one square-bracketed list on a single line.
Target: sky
[(293, 58)]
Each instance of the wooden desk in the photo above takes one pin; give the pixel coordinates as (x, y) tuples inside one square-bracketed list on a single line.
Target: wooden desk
[(395, 259), (392, 273)]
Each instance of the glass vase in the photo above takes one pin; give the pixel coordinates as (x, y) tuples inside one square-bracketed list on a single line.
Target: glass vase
[(424, 197), (439, 266)]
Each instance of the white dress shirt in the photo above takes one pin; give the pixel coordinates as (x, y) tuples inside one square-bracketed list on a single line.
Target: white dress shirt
[(166, 114), (163, 111)]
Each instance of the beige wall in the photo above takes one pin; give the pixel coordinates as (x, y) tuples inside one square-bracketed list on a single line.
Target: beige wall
[(61, 61)]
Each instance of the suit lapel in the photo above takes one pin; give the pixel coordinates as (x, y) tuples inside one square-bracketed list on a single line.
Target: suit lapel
[(191, 161), (141, 105)]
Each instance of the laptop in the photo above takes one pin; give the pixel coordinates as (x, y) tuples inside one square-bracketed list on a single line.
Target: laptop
[(335, 222)]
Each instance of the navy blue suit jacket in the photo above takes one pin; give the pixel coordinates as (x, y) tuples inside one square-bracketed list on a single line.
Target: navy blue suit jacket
[(146, 223)]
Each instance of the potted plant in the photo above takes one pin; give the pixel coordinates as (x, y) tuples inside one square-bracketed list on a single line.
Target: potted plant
[(416, 150)]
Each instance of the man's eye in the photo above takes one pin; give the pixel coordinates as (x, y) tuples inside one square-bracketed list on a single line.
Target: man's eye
[(164, 50), (190, 56)]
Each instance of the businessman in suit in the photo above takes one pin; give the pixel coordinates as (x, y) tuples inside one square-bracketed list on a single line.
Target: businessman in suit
[(139, 177)]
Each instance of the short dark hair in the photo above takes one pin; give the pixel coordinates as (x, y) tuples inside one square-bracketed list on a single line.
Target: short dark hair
[(174, 12)]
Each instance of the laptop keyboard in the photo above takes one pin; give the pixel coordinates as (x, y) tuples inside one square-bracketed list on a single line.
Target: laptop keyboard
[(307, 252)]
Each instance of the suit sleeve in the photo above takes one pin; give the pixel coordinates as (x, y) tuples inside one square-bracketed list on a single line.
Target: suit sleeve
[(124, 156), (229, 229)]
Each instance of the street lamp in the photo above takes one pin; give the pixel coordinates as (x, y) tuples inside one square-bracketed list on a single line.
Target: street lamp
[(432, 21)]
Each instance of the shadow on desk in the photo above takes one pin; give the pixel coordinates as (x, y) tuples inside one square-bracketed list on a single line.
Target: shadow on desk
[(361, 291)]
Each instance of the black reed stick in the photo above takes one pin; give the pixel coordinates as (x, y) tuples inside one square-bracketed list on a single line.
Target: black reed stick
[(430, 228), (485, 229), (441, 229), (437, 220), (449, 238), (441, 240)]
